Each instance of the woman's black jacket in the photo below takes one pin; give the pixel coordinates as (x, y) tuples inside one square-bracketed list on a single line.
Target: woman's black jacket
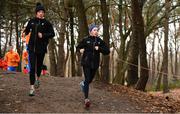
[(91, 57), (36, 44)]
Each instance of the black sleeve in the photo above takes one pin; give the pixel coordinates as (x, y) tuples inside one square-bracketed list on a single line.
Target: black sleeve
[(28, 27), (50, 31), (103, 48), (80, 45)]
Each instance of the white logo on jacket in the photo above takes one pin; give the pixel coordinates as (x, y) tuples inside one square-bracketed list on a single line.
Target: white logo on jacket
[(88, 42)]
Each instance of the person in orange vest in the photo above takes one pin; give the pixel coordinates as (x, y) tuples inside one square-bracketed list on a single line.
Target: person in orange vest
[(25, 56), (25, 59), (25, 38), (25, 70), (3, 64), (12, 58)]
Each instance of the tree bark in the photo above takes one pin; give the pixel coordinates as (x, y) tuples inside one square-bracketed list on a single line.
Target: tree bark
[(153, 63), (138, 33), (165, 57), (17, 40), (105, 67), (52, 58), (61, 54), (83, 29), (176, 51), (71, 16), (159, 75), (132, 69), (120, 75), (0, 44)]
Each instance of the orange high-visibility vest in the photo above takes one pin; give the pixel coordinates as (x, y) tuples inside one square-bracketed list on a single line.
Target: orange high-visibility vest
[(26, 38), (25, 57), (3, 64), (12, 58)]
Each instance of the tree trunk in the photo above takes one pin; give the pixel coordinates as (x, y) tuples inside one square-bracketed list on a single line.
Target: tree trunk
[(159, 75), (66, 69), (105, 67), (52, 58), (171, 63), (120, 75), (6, 43), (83, 29), (138, 33), (158, 86), (61, 54), (165, 57), (176, 64), (17, 40), (112, 64), (133, 52), (72, 42), (132, 69), (0, 44), (153, 63), (176, 51), (82, 20), (11, 30)]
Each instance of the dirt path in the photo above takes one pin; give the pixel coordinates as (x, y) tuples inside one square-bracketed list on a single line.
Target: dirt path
[(60, 95)]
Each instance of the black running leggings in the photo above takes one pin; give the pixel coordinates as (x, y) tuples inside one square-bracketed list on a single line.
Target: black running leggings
[(89, 76), (36, 62)]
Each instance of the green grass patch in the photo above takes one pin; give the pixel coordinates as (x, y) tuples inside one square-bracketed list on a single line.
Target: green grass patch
[(172, 85)]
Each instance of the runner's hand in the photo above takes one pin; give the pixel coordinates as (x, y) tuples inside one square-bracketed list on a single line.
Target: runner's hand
[(96, 47), (81, 51), (39, 35)]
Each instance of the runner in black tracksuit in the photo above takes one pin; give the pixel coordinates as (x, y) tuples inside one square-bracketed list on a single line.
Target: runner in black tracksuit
[(91, 47), (41, 30)]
